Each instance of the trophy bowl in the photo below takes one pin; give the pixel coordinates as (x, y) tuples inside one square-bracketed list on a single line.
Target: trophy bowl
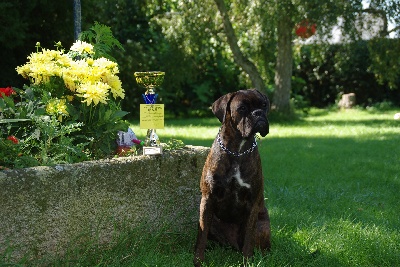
[(149, 79)]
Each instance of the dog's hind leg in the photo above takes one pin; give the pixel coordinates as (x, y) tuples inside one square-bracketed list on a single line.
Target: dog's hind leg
[(263, 230), (205, 222)]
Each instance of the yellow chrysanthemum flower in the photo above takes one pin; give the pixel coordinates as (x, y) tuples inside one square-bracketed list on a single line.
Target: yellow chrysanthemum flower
[(64, 61), (88, 78), (95, 93), (75, 74), (82, 47), (23, 70), (116, 86), (43, 65), (107, 64), (94, 74), (70, 81)]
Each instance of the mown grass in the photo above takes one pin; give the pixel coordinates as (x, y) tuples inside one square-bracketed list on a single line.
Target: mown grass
[(332, 182)]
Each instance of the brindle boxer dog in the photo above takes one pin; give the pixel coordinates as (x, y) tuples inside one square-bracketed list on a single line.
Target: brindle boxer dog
[(232, 208)]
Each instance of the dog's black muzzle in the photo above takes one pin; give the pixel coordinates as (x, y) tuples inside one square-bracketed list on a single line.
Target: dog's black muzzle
[(261, 124)]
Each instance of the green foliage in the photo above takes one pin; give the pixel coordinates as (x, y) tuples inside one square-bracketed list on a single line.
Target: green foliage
[(42, 139), (53, 142), (102, 39), (327, 71), (11, 156), (385, 63), (173, 144)]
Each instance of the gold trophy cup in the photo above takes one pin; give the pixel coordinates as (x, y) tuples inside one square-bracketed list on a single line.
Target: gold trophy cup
[(150, 80)]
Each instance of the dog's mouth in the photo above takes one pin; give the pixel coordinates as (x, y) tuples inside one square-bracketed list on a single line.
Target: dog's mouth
[(262, 127)]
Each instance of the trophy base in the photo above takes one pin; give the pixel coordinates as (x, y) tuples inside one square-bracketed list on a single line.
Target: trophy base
[(152, 150)]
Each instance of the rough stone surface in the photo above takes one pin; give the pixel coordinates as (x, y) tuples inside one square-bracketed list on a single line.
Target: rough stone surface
[(44, 210), (347, 101)]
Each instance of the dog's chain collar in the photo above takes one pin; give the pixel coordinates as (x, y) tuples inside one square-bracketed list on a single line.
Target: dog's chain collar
[(236, 154)]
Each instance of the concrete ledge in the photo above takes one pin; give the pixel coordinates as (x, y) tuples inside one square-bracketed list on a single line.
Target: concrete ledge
[(44, 210)]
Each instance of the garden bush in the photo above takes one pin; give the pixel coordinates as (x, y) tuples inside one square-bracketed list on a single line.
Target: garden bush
[(324, 72)]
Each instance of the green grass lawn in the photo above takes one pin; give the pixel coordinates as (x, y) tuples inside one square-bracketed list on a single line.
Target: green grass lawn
[(332, 182)]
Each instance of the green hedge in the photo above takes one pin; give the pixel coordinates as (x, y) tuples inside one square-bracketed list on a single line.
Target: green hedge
[(323, 72)]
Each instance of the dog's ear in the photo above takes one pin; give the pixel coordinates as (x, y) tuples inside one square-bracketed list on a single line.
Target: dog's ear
[(221, 105)]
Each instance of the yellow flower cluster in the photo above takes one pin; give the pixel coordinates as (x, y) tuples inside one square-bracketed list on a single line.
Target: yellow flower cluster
[(93, 93), (82, 47), (57, 107), (43, 65), (91, 79)]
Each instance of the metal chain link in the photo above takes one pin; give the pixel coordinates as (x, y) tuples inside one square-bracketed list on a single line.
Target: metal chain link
[(236, 154)]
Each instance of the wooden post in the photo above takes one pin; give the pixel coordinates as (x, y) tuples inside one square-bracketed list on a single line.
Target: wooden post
[(77, 19)]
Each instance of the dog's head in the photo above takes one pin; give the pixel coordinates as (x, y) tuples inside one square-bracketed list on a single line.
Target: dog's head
[(245, 110)]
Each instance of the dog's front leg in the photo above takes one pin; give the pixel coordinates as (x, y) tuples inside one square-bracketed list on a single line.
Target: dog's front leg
[(249, 237), (204, 227)]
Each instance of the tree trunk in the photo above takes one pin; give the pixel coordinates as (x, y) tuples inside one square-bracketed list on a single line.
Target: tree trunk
[(238, 56), (284, 64)]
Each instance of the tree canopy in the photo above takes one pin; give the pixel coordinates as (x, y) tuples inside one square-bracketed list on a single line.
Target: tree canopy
[(260, 33), (191, 41)]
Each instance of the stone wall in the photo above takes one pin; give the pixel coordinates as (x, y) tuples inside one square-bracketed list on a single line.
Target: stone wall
[(44, 210)]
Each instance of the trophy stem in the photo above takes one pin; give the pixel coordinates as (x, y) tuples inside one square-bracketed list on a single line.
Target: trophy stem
[(152, 138)]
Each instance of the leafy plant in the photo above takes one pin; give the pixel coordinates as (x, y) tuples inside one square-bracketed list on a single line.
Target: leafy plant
[(102, 39), (174, 144), (70, 111), (41, 139)]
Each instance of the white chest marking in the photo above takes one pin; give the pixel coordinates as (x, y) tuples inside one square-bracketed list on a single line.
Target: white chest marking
[(241, 145), (240, 181)]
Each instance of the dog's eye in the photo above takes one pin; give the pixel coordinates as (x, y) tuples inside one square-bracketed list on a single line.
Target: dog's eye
[(242, 108), (265, 105)]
